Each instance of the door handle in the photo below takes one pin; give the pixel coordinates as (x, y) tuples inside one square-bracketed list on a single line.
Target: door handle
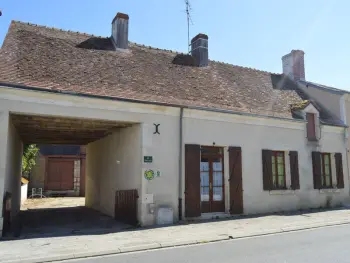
[(210, 186)]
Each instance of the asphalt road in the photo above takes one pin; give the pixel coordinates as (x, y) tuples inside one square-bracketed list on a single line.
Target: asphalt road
[(330, 244)]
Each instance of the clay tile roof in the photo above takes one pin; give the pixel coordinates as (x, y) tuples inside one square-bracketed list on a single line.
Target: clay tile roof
[(68, 61)]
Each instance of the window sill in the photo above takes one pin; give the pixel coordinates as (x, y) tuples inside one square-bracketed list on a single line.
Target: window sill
[(329, 191), (282, 192)]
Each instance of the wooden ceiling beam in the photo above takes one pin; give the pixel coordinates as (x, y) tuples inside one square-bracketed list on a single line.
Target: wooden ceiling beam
[(53, 119), (69, 125)]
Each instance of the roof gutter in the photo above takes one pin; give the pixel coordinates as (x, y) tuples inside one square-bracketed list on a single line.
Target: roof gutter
[(78, 94)]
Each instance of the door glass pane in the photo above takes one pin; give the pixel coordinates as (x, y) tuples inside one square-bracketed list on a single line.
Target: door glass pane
[(204, 165), (217, 172), (217, 179), (204, 193), (217, 165), (204, 178), (328, 181), (217, 194), (204, 172)]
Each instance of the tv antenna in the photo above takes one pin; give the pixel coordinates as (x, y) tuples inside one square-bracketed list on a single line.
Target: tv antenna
[(189, 19)]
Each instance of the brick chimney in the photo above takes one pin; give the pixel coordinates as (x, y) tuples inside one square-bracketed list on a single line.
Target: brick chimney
[(199, 50), (293, 65), (120, 30)]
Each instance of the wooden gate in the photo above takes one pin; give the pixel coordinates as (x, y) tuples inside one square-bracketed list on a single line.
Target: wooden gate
[(126, 206), (60, 174)]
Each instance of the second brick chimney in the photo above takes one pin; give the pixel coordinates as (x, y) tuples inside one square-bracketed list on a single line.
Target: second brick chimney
[(293, 65), (120, 30), (199, 50)]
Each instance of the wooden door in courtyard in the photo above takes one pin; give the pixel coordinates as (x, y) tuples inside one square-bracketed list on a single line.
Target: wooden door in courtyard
[(60, 174), (212, 180)]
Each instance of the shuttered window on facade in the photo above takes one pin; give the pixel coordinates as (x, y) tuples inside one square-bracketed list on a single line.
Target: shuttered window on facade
[(274, 170), (278, 170), (322, 170)]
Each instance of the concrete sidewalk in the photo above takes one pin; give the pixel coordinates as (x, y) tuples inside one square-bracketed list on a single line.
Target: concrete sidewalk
[(69, 247)]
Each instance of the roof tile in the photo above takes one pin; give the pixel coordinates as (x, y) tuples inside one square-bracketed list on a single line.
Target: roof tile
[(77, 62)]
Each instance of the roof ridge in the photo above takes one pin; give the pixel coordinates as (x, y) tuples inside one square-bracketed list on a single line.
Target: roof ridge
[(144, 46), (54, 28), (211, 60)]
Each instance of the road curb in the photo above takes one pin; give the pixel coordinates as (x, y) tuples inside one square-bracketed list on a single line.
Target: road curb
[(175, 243)]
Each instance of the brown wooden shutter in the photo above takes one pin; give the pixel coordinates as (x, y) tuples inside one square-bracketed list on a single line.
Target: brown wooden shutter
[(311, 126), (294, 169), (316, 167), (235, 180), (192, 180), (339, 170), (267, 169)]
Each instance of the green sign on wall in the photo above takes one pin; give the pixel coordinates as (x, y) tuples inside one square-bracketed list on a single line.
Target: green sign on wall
[(147, 159)]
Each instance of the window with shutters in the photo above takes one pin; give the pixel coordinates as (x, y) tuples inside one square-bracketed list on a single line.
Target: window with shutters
[(326, 170), (311, 126), (278, 170)]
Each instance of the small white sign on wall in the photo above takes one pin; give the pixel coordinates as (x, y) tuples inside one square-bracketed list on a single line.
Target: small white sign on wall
[(147, 199)]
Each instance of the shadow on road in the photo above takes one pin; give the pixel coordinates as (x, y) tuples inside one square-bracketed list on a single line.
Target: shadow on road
[(77, 221)]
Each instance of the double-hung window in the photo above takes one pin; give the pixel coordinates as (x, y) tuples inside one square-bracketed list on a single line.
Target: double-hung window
[(278, 170), (326, 170)]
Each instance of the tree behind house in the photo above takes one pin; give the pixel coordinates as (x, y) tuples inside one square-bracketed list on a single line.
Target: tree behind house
[(30, 152)]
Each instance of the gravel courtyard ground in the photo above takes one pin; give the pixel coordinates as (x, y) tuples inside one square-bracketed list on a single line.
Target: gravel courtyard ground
[(56, 202)]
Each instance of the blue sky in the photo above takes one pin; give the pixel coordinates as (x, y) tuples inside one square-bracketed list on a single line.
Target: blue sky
[(251, 33)]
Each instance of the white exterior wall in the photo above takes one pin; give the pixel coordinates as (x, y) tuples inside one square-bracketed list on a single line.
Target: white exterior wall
[(24, 193), (10, 164), (14, 168), (346, 99), (4, 124), (200, 127), (164, 147), (114, 163), (92, 175), (253, 135)]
